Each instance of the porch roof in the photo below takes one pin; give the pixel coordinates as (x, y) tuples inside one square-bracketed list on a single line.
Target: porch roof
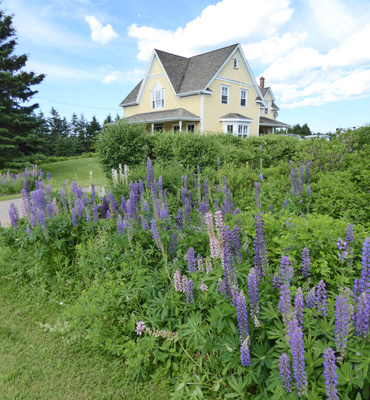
[(176, 114), (264, 121)]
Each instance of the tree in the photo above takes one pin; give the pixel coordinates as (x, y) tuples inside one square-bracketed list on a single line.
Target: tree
[(16, 119)]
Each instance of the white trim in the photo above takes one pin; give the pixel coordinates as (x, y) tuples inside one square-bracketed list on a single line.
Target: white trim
[(156, 76), (245, 119), (246, 98), (157, 88), (228, 94), (201, 113), (148, 121), (194, 93), (235, 82)]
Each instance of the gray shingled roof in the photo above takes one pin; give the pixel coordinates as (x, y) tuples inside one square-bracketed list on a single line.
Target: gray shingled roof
[(175, 114), (188, 74), (272, 122), (274, 107), (235, 116), (264, 91)]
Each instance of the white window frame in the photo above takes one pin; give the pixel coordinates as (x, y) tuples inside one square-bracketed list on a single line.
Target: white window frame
[(157, 97), (158, 127), (187, 128), (245, 98), (267, 105), (243, 130), (227, 95), (235, 63)]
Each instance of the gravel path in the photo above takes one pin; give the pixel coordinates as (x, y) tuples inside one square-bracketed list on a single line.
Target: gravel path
[(4, 210)]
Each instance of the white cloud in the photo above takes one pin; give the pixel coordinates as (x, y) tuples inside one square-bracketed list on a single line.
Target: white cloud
[(111, 77), (225, 22), (100, 34)]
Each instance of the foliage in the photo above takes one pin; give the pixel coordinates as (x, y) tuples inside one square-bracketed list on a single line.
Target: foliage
[(121, 143), (16, 119)]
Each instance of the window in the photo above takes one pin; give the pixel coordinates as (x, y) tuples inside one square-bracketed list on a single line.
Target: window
[(243, 130), (157, 96), (190, 128), (243, 98), (176, 128), (158, 127), (230, 128), (266, 107), (224, 94), (235, 63)]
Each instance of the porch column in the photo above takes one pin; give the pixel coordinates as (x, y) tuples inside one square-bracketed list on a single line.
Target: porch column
[(180, 125), (152, 128)]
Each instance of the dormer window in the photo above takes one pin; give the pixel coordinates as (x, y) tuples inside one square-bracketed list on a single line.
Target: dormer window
[(266, 107), (157, 96), (235, 63)]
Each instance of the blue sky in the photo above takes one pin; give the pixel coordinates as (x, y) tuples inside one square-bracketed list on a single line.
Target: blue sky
[(314, 54)]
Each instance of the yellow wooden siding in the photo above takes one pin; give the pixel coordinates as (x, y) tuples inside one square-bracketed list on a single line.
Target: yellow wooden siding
[(157, 69), (214, 110)]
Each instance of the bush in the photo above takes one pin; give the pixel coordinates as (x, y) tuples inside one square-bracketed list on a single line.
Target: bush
[(121, 143)]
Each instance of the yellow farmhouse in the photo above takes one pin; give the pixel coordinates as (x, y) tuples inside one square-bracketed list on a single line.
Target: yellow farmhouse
[(214, 91)]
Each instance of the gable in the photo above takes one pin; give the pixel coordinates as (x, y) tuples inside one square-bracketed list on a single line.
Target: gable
[(156, 69)]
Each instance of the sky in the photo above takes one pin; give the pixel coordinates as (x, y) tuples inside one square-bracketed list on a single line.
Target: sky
[(315, 55)]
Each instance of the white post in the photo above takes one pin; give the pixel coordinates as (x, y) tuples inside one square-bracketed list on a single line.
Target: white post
[(180, 125), (152, 128)]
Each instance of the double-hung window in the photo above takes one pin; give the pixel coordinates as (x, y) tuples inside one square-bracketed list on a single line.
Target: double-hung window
[(243, 98), (157, 96), (235, 63), (224, 94), (266, 107)]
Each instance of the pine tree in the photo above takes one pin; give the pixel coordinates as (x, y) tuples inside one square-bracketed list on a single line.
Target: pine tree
[(16, 120)]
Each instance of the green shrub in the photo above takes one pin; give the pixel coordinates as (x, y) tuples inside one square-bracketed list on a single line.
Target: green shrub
[(121, 143)]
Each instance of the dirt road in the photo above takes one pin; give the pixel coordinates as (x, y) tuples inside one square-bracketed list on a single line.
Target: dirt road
[(4, 210)]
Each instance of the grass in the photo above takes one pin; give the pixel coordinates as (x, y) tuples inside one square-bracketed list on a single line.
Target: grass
[(39, 363), (75, 169), (9, 197)]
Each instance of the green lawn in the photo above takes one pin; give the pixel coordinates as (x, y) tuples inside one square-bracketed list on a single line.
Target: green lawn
[(75, 169), (39, 363)]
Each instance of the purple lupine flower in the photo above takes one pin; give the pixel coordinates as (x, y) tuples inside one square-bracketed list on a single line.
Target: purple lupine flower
[(155, 234), (187, 209), (275, 281), (74, 217), (362, 316), (49, 210), (80, 207), (120, 225), (62, 197), (27, 186), (260, 247), (218, 220), (285, 203), (95, 213), (13, 218), (146, 209), (123, 205), (140, 327), (47, 192), (177, 282), (144, 223), (321, 299), (242, 315), (205, 188), (191, 261), (200, 263), (108, 215), (308, 173), (309, 191), (209, 223), (41, 219), (301, 173), (365, 264), (306, 264), (172, 245), (141, 187), (236, 243), (87, 217), (189, 291), (253, 296), (341, 323), (33, 221), (216, 205), (261, 177), (28, 231), (271, 208), (349, 234), (297, 349), (300, 190), (182, 194), (74, 188), (285, 372), (150, 176), (357, 288), (286, 274), (342, 246), (160, 184), (290, 164), (257, 194), (180, 219), (214, 246), (330, 374), (311, 298), (228, 261), (299, 305)]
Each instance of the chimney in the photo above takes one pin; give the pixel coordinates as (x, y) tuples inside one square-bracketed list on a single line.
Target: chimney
[(262, 82)]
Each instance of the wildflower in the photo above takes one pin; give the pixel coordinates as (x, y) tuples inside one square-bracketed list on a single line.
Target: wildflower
[(215, 247), (13, 218), (349, 234), (140, 326), (236, 243), (306, 264), (257, 194), (286, 273), (180, 219), (253, 296), (330, 374), (155, 233), (189, 291), (341, 323), (172, 245), (311, 298), (261, 177), (308, 173), (285, 372), (297, 349), (242, 315), (275, 281), (87, 217), (309, 191), (62, 197), (107, 215), (177, 282), (74, 217), (144, 223), (209, 223), (365, 263), (28, 231), (191, 261), (218, 220), (322, 303), (120, 225), (299, 305), (208, 266), (95, 213), (362, 317), (203, 287)]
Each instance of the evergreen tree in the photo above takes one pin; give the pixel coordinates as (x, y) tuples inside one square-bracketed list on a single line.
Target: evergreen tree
[(16, 119), (108, 120), (92, 130)]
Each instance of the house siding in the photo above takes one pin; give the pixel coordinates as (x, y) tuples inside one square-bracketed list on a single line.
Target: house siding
[(271, 113), (214, 110)]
